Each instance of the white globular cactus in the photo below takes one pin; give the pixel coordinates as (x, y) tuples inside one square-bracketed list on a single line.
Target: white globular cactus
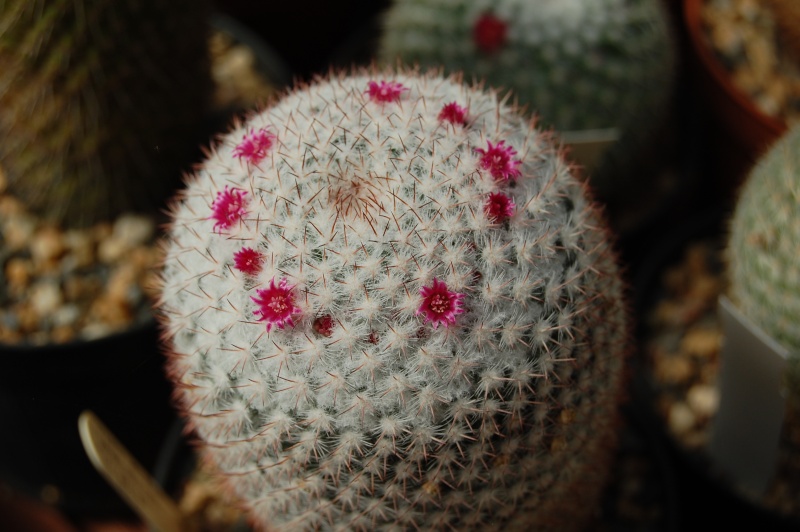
[(387, 304)]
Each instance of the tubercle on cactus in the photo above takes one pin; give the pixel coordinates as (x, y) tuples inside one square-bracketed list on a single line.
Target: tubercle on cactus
[(414, 334)]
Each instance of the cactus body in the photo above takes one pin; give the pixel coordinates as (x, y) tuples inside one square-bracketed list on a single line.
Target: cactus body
[(388, 304), (576, 64), (764, 243), (101, 103)]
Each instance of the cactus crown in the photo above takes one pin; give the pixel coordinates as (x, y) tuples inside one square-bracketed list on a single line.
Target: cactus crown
[(403, 312), (764, 241)]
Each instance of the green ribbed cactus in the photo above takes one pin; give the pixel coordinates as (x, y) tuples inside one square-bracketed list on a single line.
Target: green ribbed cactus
[(388, 304), (577, 64), (101, 103), (763, 249)]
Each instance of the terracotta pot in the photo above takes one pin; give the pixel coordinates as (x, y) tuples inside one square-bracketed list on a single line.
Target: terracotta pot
[(743, 130)]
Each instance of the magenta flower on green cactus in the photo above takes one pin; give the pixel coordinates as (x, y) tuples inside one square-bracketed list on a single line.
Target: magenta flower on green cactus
[(385, 91), (499, 207), (228, 207), (255, 145), (276, 304), (453, 113), (489, 33), (499, 160), (248, 261), (440, 305)]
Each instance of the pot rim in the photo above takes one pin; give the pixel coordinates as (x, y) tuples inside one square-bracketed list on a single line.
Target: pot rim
[(692, 20)]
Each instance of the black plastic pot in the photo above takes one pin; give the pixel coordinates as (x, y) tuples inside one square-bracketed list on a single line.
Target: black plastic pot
[(43, 390), (643, 493)]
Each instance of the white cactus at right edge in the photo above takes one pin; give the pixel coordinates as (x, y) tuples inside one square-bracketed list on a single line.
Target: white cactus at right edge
[(323, 382)]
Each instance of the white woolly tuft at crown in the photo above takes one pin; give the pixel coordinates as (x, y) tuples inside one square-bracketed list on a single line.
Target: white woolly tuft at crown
[(387, 304)]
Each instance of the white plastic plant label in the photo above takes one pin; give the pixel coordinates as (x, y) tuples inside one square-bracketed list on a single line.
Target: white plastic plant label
[(587, 147), (746, 429)]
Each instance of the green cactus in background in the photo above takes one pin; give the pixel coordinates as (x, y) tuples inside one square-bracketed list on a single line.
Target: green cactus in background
[(388, 304), (577, 64), (763, 250), (101, 103)]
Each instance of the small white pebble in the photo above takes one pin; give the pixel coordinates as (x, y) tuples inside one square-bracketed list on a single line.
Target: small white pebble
[(111, 250), (681, 418), (45, 297), (18, 231), (66, 315), (47, 245), (703, 399), (129, 231), (94, 331), (80, 248), (134, 230)]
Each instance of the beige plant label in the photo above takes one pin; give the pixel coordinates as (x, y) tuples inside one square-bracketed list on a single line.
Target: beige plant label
[(128, 477)]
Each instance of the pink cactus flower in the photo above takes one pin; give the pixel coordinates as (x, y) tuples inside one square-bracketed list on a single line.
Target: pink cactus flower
[(255, 145), (228, 208), (453, 113), (324, 325), (440, 305), (499, 207), (499, 160), (276, 304), (489, 33), (247, 261), (385, 91)]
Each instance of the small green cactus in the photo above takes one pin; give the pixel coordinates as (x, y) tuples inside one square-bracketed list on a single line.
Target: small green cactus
[(101, 103), (763, 249), (388, 304), (577, 64)]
